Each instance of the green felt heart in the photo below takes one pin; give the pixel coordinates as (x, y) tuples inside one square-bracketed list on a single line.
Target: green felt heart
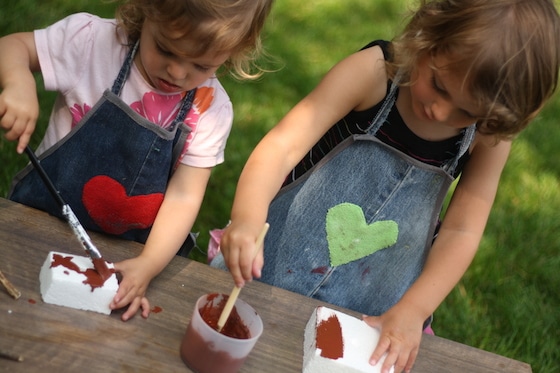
[(351, 238)]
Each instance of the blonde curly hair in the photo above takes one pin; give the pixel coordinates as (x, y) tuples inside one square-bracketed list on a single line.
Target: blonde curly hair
[(230, 26)]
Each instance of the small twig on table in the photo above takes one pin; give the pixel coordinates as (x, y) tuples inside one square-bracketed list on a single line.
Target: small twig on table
[(8, 285), (10, 356)]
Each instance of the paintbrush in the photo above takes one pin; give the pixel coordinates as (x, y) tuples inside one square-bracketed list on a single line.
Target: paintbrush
[(79, 231)]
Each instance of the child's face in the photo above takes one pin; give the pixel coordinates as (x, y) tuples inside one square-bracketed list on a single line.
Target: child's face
[(165, 62), (439, 97)]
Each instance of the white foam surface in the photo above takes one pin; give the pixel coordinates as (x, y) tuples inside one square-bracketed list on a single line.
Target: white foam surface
[(69, 288), (359, 340)]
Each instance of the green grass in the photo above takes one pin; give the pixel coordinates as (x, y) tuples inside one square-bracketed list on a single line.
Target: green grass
[(508, 302)]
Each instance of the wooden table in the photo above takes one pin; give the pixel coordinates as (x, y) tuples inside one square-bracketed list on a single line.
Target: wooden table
[(59, 339)]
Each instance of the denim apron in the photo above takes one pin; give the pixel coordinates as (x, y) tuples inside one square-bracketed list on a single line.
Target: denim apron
[(112, 168), (355, 230)]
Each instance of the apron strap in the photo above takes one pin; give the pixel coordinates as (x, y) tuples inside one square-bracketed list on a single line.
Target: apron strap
[(182, 130), (125, 70), (466, 141), (385, 108), (183, 109)]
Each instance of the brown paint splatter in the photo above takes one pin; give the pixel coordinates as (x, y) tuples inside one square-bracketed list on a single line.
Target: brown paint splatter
[(93, 278), (234, 326), (320, 270)]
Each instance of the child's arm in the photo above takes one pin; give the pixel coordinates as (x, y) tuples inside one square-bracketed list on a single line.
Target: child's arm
[(449, 258), (357, 82), (173, 223), (19, 106)]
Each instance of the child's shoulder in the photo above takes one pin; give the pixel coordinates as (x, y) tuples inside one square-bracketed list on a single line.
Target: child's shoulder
[(78, 28), (84, 19)]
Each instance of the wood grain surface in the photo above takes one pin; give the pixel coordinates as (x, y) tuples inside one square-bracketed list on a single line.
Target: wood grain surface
[(51, 338)]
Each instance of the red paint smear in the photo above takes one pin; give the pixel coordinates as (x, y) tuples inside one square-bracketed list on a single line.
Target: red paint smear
[(320, 270), (365, 272), (329, 338), (32, 301), (101, 266), (93, 278), (157, 309), (234, 326)]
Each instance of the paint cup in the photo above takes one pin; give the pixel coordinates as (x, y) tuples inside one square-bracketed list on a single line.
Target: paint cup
[(205, 350)]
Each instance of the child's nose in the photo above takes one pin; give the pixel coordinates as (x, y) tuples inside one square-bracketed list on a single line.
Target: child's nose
[(177, 71), (441, 111)]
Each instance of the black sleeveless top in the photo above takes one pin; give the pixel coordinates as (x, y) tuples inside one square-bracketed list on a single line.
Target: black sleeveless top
[(393, 132)]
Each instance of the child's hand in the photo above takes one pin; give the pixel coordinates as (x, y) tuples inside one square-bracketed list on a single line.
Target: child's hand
[(239, 251), (132, 288), (19, 109), (401, 333)]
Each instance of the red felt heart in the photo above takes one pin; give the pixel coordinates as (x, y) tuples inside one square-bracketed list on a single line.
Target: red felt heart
[(114, 211)]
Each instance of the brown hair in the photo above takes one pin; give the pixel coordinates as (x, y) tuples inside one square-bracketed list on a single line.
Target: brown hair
[(508, 49), (231, 26)]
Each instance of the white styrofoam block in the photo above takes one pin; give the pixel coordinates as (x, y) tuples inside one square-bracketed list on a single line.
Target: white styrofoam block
[(358, 342), (71, 281)]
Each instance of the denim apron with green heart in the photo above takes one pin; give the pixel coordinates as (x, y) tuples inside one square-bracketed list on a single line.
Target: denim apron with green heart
[(112, 168), (355, 230)]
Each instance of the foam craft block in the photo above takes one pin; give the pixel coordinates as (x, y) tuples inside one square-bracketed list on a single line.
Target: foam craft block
[(335, 342), (71, 281)]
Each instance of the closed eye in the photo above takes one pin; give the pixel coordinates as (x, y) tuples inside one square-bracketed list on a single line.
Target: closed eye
[(164, 51), (436, 87), (201, 68)]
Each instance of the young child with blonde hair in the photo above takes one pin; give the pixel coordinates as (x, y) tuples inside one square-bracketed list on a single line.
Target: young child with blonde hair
[(140, 120), (352, 180)]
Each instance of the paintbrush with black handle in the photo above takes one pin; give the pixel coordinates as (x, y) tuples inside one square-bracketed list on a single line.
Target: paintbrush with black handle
[(98, 261)]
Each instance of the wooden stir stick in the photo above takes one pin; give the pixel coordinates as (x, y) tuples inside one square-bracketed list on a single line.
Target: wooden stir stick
[(15, 293), (235, 292)]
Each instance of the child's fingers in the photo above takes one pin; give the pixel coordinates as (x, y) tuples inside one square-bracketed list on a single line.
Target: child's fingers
[(146, 309), (411, 360), (258, 264), (381, 348), (22, 143), (137, 303), (232, 262)]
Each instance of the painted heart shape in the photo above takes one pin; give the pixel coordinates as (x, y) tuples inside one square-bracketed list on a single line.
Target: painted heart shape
[(114, 211), (351, 238)]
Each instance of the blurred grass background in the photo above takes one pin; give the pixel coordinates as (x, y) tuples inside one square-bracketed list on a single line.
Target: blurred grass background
[(508, 302)]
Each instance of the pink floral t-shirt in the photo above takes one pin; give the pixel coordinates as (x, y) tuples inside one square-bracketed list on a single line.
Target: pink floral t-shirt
[(80, 57)]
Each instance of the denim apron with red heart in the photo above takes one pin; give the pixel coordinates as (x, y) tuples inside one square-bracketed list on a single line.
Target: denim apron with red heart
[(112, 168), (355, 230)]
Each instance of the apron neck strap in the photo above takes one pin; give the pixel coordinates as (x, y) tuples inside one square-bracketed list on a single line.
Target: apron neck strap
[(125, 70), (385, 108), (185, 107)]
